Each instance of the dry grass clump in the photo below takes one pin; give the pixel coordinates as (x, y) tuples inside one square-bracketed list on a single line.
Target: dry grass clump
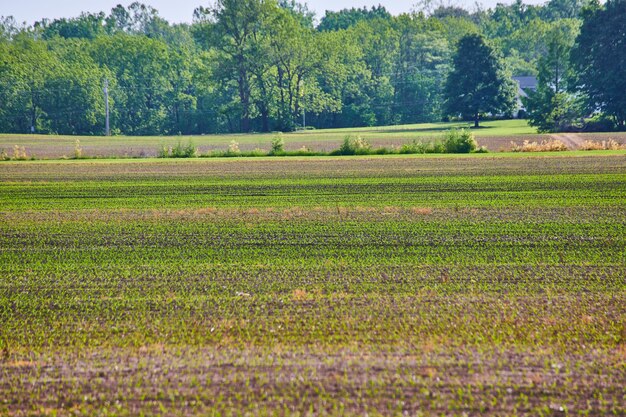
[(605, 145), (19, 154), (544, 146), (422, 210), (300, 295)]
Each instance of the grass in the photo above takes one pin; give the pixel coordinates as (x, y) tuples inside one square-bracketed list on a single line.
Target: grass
[(439, 285), (51, 146), (496, 136)]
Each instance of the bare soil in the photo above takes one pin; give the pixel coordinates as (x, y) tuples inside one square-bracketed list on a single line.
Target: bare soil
[(173, 381)]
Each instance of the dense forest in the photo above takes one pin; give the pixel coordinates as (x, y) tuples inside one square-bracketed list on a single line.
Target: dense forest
[(267, 65)]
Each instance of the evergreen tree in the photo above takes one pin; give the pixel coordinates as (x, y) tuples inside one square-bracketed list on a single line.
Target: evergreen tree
[(478, 82)]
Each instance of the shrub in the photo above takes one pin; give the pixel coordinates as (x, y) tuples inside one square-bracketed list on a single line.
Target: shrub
[(4, 156), (460, 141), (233, 148), (382, 151), (19, 153), (600, 123), (420, 147), (303, 151), (278, 145), (184, 151), (413, 147), (353, 146), (178, 151), (164, 152), (257, 152)]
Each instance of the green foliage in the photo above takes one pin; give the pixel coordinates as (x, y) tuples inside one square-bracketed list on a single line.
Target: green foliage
[(553, 112), (418, 146), (345, 18), (599, 59), (259, 65), (179, 151), (87, 26), (278, 145), (462, 141), (478, 83), (353, 146), (552, 108)]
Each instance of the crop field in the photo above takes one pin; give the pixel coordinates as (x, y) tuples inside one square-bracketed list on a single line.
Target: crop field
[(490, 284)]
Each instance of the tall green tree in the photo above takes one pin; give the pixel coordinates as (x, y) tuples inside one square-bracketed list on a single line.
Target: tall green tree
[(295, 59), (235, 30), (552, 107), (345, 18), (26, 67), (599, 59), (478, 82), (50, 87), (421, 66), (149, 82)]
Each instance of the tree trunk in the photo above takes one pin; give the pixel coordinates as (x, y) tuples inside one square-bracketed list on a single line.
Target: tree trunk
[(476, 119)]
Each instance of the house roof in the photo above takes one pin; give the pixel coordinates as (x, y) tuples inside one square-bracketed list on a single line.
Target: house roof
[(526, 82)]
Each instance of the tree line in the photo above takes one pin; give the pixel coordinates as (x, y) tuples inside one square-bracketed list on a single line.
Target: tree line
[(268, 65)]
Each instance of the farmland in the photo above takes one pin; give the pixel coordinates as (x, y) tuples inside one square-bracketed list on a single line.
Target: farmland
[(490, 284), (495, 135)]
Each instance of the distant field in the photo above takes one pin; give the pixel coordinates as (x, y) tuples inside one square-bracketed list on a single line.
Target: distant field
[(496, 134), (441, 285)]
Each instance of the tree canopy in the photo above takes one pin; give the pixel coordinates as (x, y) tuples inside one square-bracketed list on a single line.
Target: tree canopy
[(478, 82), (262, 65), (599, 58)]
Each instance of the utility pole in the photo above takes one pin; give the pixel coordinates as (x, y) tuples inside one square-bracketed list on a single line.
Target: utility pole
[(303, 108), (107, 130)]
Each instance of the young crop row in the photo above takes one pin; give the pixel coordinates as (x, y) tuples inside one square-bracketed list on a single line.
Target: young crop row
[(313, 168), (459, 191), (180, 291), (56, 274)]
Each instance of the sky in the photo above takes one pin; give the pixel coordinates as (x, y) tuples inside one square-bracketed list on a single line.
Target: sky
[(178, 11)]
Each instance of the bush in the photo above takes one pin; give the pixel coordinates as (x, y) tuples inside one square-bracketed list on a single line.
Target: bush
[(353, 146), (600, 123), (233, 149), (19, 153), (413, 147), (178, 151), (278, 145), (184, 151), (303, 151), (164, 152), (420, 147), (460, 141)]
